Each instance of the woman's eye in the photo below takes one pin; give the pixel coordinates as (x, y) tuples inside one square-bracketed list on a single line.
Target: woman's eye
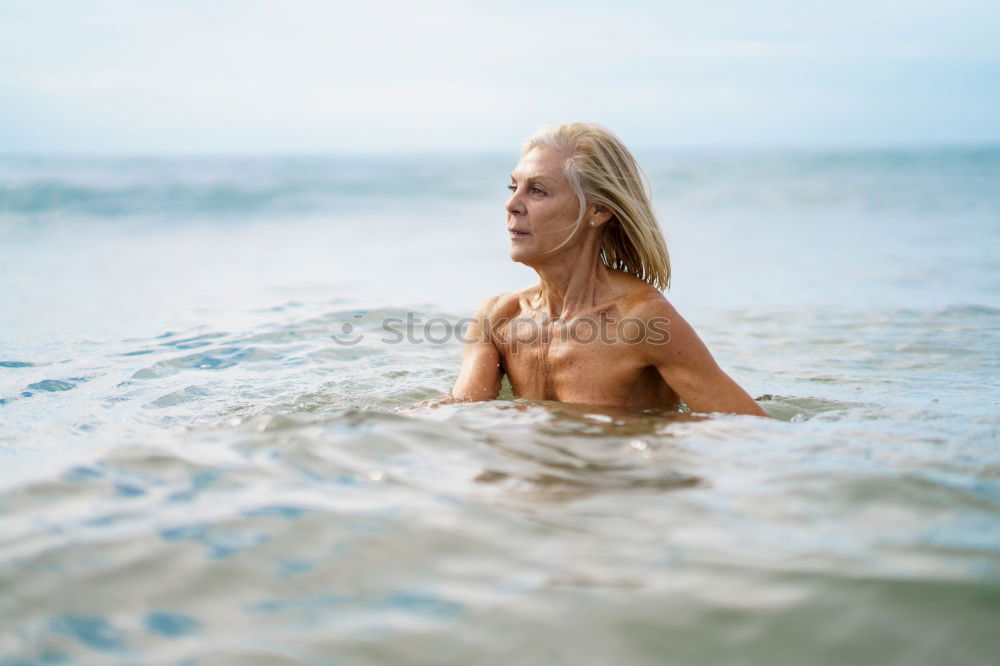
[(534, 190)]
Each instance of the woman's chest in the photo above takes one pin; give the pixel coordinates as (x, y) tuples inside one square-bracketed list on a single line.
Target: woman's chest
[(570, 363)]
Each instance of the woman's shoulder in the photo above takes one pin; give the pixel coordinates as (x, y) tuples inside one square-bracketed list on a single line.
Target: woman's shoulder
[(638, 298), (505, 304)]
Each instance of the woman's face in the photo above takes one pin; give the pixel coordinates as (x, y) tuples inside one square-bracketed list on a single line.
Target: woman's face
[(542, 209)]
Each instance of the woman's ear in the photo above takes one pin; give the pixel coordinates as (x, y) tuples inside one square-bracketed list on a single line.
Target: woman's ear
[(600, 214)]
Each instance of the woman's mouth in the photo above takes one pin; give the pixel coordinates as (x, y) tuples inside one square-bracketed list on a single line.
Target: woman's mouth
[(518, 234)]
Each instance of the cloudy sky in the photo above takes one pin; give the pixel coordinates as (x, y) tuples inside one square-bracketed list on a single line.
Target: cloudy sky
[(222, 76)]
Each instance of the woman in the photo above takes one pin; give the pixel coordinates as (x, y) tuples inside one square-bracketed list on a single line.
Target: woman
[(596, 328)]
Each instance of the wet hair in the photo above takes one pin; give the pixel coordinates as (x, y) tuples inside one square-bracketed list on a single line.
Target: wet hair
[(602, 171)]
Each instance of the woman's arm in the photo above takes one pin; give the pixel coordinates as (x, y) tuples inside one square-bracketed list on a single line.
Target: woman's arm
[(689, 369), (479, 378)]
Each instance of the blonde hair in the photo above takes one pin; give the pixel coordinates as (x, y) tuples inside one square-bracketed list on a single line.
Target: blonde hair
[(602, 171)]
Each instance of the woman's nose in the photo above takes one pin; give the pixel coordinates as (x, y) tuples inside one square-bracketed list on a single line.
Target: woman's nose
[(514, 205)]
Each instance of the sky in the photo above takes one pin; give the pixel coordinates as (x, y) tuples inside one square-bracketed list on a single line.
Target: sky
[(298, 76)]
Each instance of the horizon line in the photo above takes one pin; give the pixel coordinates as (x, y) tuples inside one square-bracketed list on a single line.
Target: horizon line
[(801, 146)]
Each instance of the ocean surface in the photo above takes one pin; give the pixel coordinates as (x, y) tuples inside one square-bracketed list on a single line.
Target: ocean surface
[(195, 470)]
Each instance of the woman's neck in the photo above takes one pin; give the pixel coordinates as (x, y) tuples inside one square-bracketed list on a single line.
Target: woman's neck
[(574, 281)]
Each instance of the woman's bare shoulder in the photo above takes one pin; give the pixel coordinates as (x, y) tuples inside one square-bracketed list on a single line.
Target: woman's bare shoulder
[(506, 304), (643, 300)]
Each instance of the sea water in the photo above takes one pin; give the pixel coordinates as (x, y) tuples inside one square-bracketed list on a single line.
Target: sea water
[(196, 469)]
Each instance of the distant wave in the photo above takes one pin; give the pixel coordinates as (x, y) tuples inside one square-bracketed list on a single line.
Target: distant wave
[(61, 198), (911, 180), (169, 186)]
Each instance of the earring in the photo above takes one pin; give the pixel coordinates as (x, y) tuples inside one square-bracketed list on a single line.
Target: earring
[(593, 223)]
